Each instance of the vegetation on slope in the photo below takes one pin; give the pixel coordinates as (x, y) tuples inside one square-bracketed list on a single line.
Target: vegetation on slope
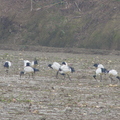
[(61, 23)]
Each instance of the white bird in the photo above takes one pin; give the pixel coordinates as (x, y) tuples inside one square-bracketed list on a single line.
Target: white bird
[(65, 70), (29, 70), (55, 66), (27, 63), (100, 72), (34, 63), (7, 65), (113, 73)]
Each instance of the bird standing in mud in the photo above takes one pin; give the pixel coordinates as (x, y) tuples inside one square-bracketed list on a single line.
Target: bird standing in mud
[(113, 73), (55, 66), (100, 70), (28, 70), (34, 63), (65, 70), (7, 65)]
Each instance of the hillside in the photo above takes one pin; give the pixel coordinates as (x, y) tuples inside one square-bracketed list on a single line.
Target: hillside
[(61, 23)]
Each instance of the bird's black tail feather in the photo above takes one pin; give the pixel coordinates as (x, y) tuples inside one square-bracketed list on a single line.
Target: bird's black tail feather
[(72, 69)]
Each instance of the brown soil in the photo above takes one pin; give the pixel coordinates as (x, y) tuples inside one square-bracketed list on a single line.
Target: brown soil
[(48, 98)]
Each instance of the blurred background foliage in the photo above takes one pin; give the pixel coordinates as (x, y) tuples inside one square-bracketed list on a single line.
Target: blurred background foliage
[(61, 23)]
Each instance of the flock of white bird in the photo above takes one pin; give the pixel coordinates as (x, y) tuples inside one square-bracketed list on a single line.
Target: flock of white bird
[(29, 67), (101, 70), (64, 69)]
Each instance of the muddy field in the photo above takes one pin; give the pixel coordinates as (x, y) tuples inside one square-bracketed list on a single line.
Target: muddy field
[(48, 98)]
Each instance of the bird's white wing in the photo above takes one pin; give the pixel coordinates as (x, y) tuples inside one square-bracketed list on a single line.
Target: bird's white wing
[(113, 72), (9, 63), (28, 69), (98, 71), (56, 66), (100, 66), (65, 68)]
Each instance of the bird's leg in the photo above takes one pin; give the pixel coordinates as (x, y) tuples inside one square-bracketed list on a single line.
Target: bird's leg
[(100, 77), (105, 76), (33, 75), (28, 75), (20, 76), (119, 81), (69, 77), (7, 71), (57, 74), (111, 79), (64, 76), (118, 78)]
